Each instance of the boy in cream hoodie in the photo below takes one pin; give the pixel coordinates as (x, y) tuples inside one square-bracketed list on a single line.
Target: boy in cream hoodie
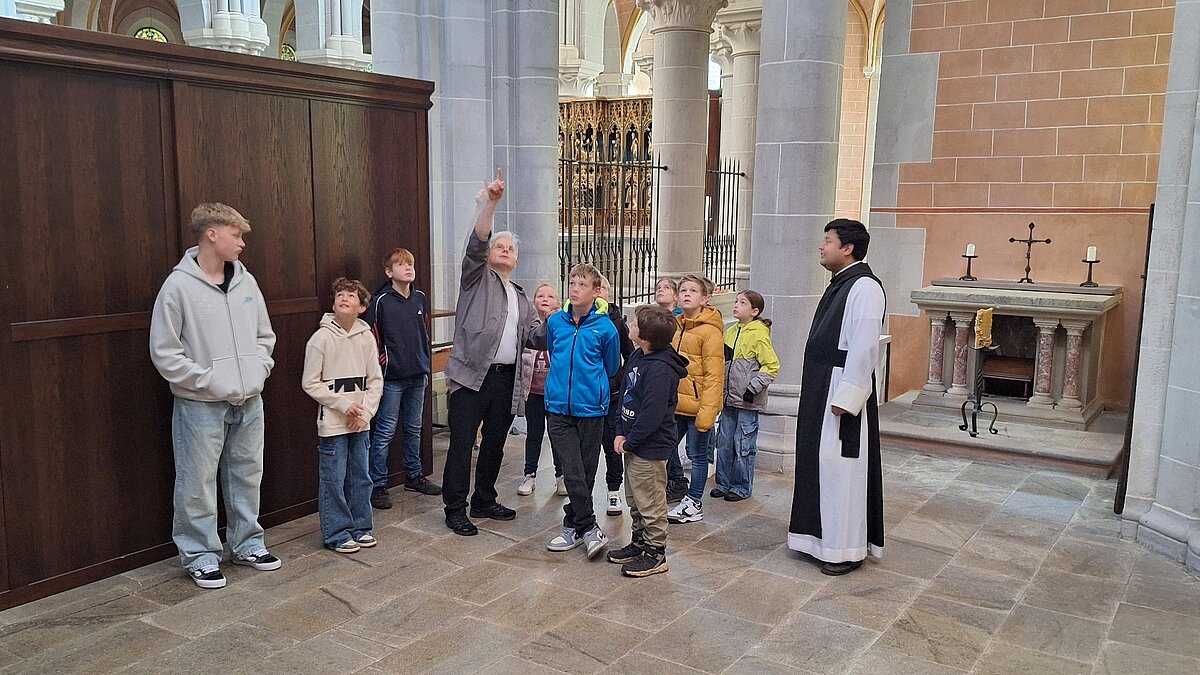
[(341, 372)]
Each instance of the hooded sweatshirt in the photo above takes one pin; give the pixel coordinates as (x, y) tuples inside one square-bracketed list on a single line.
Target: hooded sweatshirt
[(699, 341), (341, 368), (211, 345), (649, 395), (752, 365)]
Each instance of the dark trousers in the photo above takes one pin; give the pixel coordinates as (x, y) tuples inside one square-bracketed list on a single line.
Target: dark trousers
[(614, 468), (576, 442), (491, 406), (535, 433)]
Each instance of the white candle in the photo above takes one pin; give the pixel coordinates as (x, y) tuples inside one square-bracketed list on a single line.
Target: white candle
[(1091, 254), (970, 249)]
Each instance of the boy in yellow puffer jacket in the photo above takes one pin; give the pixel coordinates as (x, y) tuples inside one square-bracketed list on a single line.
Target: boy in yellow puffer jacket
[(752, 366), (698, 339)]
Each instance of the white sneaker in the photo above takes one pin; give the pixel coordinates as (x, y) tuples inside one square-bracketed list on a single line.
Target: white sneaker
[(615, 507), (687, 511), (562, 487), (526, 487), (565, 541), (595, 539), (208, 576)]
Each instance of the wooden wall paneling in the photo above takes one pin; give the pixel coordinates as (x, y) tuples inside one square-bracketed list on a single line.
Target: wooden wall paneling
[(84, 450), (369, 197)]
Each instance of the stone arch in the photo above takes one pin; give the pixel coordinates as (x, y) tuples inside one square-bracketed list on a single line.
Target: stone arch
[(638, 28), (194, 14), (151, 17), (613, 61)]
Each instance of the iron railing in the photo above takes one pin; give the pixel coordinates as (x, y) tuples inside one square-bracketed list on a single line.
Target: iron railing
[(720, 227), (608, 216)]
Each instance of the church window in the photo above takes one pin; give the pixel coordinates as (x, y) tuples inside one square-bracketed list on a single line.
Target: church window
[(287, 52), (148, 33)]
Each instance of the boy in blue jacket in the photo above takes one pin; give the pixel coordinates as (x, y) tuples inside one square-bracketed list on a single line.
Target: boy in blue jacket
[(646, 437), (584, 353)]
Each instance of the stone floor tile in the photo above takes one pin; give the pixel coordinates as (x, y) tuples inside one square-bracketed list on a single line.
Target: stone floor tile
[(1156, 629), (532, 555), (976, 492), (1002, 554), (1058, 484), (629, 605), (212, 611), (912, 560), (511, 665), (871, 598), (310, 615), (789, 563), (993, 475), (1085, 597), (1150, 564), (703, 569), (941, 535), (754, 665), (408, 617), (1027, 530), (1054, 509), (752, 537), (236, 647), (939, 631), (880, 659), (637, 663), (897, 508), (1118, 658), (1179, 595), (894, 457), (705, 640), (778, 506), (400, 576), (297, 577), (466, 551), (1004, 659), (71, 601), (815, 643), (317, 656), (534, 607), (1088, 559), (480, 583), (761, 597), (977, 587), (951, 508), (582, 644), (1052, 633), (104, 651), (466, 646)]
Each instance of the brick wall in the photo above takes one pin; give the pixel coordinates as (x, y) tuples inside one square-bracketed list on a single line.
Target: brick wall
[(1047, 111)]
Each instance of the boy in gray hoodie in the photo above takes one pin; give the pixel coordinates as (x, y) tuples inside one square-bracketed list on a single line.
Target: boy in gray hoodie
[(211, 339), (342, 373)]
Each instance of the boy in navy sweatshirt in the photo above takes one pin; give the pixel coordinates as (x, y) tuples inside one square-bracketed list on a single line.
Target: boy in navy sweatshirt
[(646, 437), (398, 316)]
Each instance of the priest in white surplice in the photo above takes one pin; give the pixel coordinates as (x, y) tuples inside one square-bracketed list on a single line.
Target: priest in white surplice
[(837, 507)]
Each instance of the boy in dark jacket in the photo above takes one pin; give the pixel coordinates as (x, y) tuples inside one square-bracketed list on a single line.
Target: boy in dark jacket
[(646, 436), (584, 354)]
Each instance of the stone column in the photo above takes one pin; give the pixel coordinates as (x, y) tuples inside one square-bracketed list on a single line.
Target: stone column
[(680, 117), (720, 51), (961, 387), (1043, 369), (227, 25), (333, 37), (37, 11), (741, 24), (613, 84), (794, 181), (937, 354), (1072, 373)]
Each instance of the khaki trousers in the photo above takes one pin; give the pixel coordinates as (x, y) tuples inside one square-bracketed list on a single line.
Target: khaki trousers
[(646, 492)]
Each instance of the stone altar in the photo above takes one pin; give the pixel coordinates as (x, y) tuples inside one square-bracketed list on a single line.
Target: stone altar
[(1070, 336)]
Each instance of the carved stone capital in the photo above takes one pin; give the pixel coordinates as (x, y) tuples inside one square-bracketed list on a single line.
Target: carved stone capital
[(681, 14), (741, 24), (721, 52)]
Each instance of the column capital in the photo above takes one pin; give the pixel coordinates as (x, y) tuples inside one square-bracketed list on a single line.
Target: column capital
[(575, 74), (1075, 326), (962, 318), (741, 24), (1046, 325), (681, 14), (721, 52)]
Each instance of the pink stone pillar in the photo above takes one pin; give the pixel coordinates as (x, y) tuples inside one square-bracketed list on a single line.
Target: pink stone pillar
[(1072, 374), (1043, 372), (962, 336), (937, 354)]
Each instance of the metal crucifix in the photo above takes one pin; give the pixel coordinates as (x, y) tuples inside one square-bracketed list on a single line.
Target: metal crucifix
[(1029, 242)]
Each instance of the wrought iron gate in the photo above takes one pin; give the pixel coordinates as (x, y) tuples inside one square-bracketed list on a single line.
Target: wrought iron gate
[(720, 232)]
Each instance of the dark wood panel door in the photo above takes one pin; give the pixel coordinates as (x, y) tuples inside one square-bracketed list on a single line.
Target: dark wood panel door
[(86, 464)]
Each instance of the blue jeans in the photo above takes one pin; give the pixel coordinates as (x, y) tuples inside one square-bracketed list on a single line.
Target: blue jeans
[(697, 451), (216, 441), (402, 400), (737, 445), (344, 498)]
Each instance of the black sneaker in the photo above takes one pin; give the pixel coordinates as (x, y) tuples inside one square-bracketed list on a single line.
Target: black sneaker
[(461, 525), (627, 553), (423, 485), (651, 561), (380, 498), (496, 511), (717, 493), (676, 490), (208, 576)]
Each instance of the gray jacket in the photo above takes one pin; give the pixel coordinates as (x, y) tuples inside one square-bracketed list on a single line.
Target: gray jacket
[(743, 378), (479, 321)]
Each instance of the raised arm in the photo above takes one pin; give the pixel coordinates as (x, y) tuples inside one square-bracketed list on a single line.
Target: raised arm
[(476, 254)]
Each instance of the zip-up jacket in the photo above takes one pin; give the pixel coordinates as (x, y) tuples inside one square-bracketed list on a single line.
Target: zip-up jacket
[(649, 394), (208, 344), (583, 356), (752, 365), (341, 368), (699, 341), (401, 332)]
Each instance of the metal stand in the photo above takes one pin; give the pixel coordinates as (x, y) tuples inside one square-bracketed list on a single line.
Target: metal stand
[(976, 402), (968, 276), (1089, 283)]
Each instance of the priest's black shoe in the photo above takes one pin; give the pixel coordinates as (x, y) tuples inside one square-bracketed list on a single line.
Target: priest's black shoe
[(460, 524), (715, 493), (838, 569), (496, 511), (733, 497)]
